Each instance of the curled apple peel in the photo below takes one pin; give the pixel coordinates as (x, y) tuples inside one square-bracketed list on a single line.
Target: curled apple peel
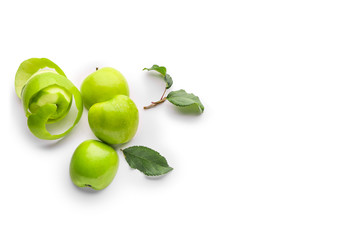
[(47, 96)]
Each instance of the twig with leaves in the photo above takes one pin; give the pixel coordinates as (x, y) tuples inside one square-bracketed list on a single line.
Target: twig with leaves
[(179, 98)]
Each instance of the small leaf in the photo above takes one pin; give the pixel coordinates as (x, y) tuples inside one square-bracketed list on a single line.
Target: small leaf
[(168, 81), (162, 70), (159, 69), (146, 160), (181, 98)]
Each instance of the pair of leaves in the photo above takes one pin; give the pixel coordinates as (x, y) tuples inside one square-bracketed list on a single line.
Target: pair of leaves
[(146, 160), (179, 98)]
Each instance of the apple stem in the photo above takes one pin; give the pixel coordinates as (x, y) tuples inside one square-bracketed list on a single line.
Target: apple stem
[(153, 104), (97, 68)]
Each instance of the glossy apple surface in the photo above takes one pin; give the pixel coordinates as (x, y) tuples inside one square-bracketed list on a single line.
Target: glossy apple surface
[(114, 121), (103, 85), (93, 164)]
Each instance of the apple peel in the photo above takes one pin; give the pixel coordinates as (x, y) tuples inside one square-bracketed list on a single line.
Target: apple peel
[(46, 96)]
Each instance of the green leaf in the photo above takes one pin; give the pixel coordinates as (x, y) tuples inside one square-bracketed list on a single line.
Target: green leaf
[(146, 160), (159, 69), (181, 98), (29, 67), (168, 81), (162, 70)]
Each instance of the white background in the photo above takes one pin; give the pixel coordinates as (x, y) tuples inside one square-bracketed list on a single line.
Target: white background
[(275, 155)]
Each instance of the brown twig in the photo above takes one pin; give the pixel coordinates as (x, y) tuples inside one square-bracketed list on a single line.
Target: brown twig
[(163, 94), (153, 104)]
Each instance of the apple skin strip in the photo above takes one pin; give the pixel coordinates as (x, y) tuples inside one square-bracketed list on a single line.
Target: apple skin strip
[(46, 96)]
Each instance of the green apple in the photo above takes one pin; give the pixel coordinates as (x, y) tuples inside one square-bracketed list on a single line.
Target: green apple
[(103, 85), (114, 121), (93, 164)]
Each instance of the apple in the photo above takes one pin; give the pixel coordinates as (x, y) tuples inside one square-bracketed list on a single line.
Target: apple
[(114, 121), (103, 85), (94, 164)]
